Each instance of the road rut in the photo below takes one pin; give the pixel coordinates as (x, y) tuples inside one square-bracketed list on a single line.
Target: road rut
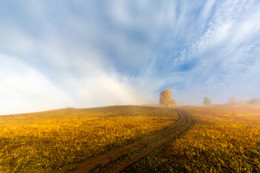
[(119, 160)]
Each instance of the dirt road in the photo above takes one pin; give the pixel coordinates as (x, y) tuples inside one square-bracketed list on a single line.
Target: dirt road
[(119, 160)]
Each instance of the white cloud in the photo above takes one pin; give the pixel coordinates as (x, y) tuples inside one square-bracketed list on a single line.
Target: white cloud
[(87, 54), (224, 55), (24, 89), (15, 40)]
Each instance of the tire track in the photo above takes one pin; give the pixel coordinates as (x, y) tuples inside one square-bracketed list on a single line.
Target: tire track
[(119, 160)]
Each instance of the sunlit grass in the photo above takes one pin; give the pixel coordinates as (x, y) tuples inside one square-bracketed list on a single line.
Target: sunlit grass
[(48, 141), (223, 139)]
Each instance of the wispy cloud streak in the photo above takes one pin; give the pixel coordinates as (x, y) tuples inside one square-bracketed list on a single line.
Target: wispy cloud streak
[(109, 52)]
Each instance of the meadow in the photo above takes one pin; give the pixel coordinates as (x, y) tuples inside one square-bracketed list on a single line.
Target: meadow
[(51, 141), (225, 138)]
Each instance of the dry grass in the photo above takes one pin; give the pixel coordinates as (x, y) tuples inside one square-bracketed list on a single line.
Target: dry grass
[(223, 139), (48, 141)]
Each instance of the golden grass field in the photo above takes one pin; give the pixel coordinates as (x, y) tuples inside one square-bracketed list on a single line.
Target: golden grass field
[(49, 141), (225, 138)]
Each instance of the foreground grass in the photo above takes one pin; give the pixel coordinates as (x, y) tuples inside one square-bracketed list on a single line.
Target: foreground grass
[(49, 141), (223, 139)]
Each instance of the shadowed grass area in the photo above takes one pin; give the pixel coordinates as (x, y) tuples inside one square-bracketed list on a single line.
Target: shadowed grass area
[(225, 138), (48, 141)]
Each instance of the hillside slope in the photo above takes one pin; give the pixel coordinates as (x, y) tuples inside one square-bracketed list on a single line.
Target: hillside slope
[(53, 140)]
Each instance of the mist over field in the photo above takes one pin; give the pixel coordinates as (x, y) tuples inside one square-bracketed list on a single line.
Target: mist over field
[(56, 54)]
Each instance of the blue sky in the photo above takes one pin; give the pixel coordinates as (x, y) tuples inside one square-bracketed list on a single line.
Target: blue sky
[(63, 53)]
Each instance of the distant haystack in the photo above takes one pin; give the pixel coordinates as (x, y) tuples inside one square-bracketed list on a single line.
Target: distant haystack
[(166, 97), (254, 101), (232, 100), (207, 101)]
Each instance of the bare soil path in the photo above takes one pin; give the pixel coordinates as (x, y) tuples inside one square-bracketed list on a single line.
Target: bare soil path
[(120, 159)]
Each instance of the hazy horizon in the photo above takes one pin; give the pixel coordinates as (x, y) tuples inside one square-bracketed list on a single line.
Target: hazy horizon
[(57, 54)]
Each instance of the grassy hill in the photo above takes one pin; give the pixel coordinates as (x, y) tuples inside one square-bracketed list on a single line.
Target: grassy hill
[(49, 141), (224, 138)]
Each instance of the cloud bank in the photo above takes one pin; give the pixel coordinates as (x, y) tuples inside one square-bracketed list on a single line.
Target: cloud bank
[(57, 54)]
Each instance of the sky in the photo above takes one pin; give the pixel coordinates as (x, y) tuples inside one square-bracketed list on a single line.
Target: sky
[(84, 53)]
